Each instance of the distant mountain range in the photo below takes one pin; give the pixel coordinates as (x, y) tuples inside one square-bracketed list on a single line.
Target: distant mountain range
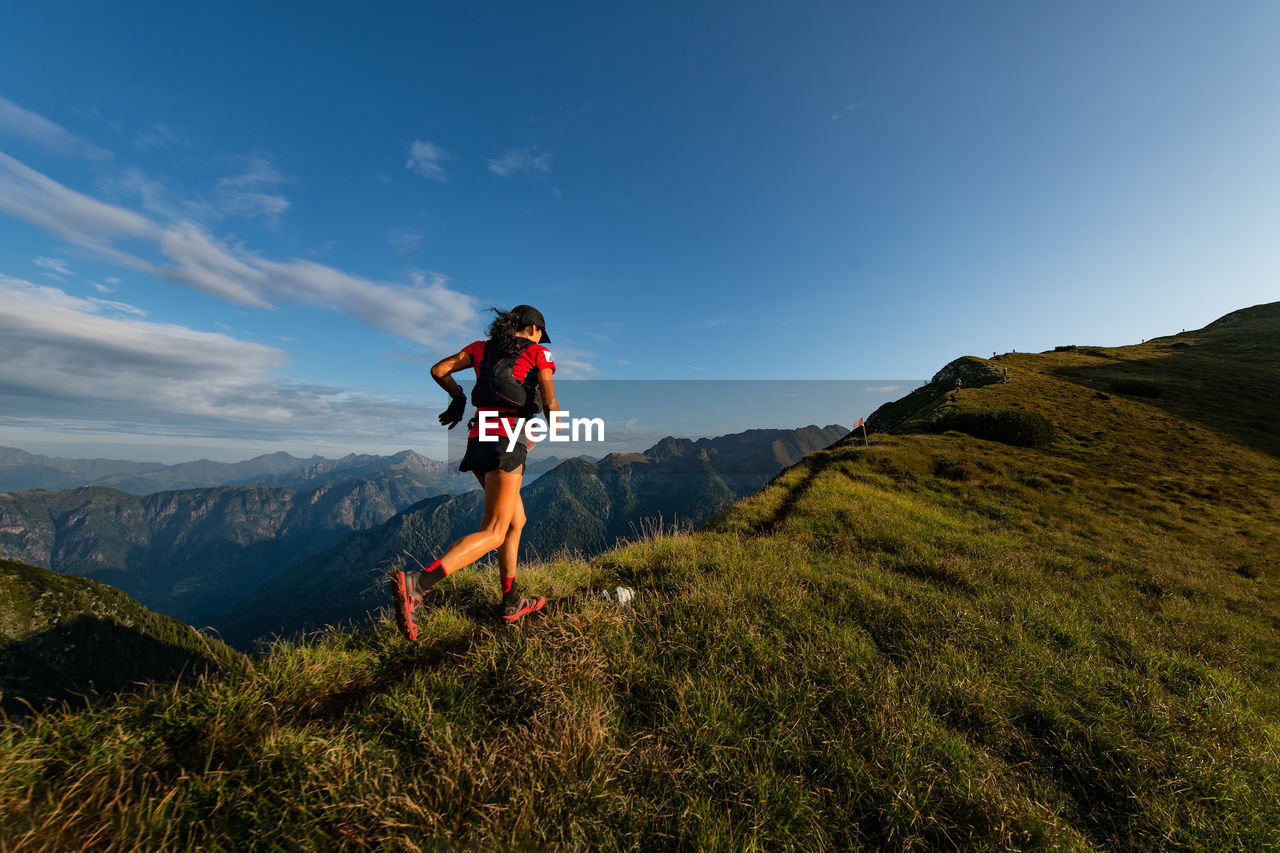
[(229, 555), (21, 471), (579, 506), (192, 552), (65, 637)]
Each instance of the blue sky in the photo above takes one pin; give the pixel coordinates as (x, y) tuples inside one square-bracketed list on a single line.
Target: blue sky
[(233, 228)]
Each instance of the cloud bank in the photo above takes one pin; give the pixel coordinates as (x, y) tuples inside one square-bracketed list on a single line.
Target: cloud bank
[(99, 367), (95, 363), (15, 121), (184, 253)]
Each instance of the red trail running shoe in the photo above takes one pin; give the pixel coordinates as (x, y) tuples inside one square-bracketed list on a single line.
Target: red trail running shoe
[(522, 608), (404, 591)]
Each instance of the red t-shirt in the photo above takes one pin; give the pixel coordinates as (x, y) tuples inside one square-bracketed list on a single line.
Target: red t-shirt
[(534, 357)]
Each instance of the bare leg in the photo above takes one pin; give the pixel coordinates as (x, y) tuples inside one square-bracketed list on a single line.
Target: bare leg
[(511, 545), (501, 501)]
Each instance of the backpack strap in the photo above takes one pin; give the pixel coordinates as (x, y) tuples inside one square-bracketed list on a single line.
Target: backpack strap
[(491, 352), (488, 381)]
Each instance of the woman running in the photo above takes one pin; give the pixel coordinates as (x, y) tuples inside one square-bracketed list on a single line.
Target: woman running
[(513, 380)]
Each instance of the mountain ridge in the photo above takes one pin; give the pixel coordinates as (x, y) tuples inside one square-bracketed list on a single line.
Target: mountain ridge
[(579, 507), (189, 552), (22, 471)]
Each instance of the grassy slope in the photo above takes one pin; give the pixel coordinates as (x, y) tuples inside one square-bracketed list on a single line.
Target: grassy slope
[(932, 641), (64, 638)]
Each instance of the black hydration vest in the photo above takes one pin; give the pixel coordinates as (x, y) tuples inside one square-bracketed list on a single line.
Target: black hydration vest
[(496, 385)]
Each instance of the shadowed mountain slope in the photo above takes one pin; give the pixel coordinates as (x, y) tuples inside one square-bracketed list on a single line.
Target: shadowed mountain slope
[(1223, 377), (66, 638)]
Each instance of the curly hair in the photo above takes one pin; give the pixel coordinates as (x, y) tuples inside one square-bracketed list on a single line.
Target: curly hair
[(502, 331)]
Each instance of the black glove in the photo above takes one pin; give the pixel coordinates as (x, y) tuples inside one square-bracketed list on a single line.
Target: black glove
[(452, 416)]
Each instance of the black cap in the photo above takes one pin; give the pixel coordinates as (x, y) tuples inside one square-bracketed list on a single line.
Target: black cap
[(527, 315)]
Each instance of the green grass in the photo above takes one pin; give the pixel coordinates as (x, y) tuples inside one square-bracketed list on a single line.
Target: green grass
[(934, 641), (66, 638)]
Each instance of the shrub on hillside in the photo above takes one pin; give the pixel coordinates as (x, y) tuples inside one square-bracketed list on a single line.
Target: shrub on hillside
[(1136, 388), (956, 470), (1009, 426)]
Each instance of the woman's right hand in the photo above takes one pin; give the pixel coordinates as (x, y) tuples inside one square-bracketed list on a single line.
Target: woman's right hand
[(452, 416)]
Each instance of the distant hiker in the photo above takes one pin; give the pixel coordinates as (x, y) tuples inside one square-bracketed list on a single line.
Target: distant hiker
[(513, 380)]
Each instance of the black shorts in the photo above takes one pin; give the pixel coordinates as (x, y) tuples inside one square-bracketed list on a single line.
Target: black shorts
[(485, 456)]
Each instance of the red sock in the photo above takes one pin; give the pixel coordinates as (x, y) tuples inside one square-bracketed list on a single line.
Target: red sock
[(510, 593), (434, 574)]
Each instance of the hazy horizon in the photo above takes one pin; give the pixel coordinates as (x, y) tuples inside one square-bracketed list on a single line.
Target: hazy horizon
[(636, 413)]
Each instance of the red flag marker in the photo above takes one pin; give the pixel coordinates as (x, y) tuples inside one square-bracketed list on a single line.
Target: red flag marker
[(862, 424)]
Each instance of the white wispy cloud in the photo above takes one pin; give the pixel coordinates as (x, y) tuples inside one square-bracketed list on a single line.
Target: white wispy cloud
[(43, 201), (60, 270), (575, 368), (423, 310), (157, 138), (521, 163), (91, 363), (848, 108), (131, 185), (427, 159), (573, 363), (117, 306), (246, 194), (202, 263), (55, 265), (16, 121), (404, 239)]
